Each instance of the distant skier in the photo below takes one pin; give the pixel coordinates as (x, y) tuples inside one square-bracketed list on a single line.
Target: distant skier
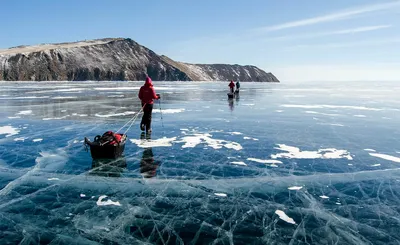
[(232, 86), (237, 86), (147, 95)]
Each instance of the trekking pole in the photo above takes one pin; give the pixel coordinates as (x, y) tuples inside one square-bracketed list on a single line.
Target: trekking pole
[(162, 122)]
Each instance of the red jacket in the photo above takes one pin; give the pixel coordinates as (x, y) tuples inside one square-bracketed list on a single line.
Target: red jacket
[(232, 84), (146, 93)]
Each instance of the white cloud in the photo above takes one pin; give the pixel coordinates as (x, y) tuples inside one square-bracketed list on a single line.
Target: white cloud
[(337, 16), (367, 43), (331, 33)]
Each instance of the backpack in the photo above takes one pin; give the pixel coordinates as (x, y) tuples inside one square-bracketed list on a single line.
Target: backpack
[(108, 138)]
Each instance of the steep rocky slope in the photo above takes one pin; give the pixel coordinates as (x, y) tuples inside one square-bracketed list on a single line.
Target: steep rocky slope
[(112, 59)]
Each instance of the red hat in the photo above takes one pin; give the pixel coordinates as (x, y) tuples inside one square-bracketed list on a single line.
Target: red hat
[(148, 82)]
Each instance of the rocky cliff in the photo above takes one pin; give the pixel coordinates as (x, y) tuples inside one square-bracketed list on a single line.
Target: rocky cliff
[(112, 59), (222, 72)]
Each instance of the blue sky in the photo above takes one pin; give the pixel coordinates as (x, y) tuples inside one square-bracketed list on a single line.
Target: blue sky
[(298, 40)]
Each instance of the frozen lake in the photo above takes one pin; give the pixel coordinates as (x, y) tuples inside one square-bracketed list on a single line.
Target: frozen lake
[(281, 164)]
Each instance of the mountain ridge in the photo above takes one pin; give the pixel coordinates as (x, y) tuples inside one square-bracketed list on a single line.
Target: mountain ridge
[(112, 59)]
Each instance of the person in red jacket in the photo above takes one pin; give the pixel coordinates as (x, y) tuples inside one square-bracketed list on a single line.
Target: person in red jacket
[(232, 86), (147, 95)]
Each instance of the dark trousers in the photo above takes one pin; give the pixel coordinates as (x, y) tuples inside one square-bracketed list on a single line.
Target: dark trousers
[(232, 90), (146, 118)]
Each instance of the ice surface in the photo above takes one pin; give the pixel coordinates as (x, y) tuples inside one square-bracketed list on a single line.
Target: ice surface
[(333, 107), (193, 180)]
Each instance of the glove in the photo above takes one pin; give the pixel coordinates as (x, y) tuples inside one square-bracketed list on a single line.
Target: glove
[(158, 95)]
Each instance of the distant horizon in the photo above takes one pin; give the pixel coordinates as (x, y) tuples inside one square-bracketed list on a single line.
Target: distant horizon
[(296, 41)]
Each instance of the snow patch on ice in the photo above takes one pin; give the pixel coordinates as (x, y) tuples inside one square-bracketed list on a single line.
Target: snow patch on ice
[(284, 217), (360, 115), (268, 161), (169, 111), (14, 117), (386, 157), (294, 152), (249, 138), (163, 142), (332, 124), (82, 195), (54, 118), (372, 150), (239, 163), (100, 202), (64, 97), (27, 112), (220, 194), (126, 113), (295, 188), (20, 139), (324, 197), (235, 133), (320, 113), (376, 165), (9, 130), (332, 107), (37, 140), (196, 139), (53, 179), (116, 96), (118, 88)]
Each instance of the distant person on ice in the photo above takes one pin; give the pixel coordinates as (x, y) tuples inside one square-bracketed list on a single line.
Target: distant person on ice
[(147, 95), (237, 86), (232, 86)]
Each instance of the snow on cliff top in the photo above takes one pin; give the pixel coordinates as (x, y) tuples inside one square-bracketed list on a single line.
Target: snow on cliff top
[(43, 47)]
